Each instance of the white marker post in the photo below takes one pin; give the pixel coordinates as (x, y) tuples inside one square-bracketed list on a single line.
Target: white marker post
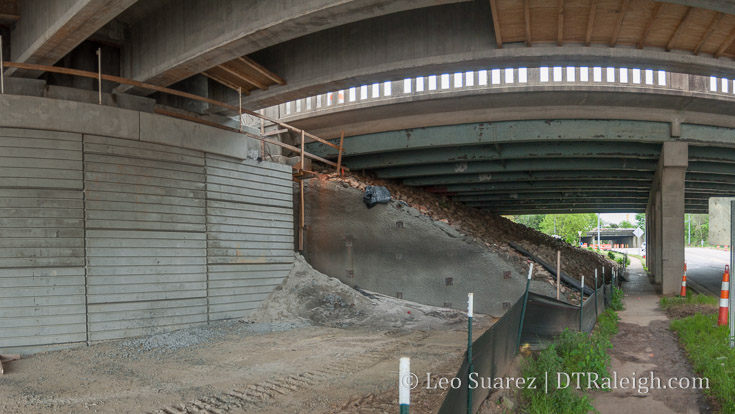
[(470, 367), (404, 384)]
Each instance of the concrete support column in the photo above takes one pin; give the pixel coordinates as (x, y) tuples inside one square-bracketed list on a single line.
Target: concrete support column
[(657, 263), (665, 217)]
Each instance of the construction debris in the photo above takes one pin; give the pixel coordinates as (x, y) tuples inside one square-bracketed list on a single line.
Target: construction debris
[(375, 195), (490, 229), (311, 296), (7, 358)]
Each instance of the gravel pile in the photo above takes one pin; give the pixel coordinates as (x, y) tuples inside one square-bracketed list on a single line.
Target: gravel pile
[(308, 296), (166, 343)]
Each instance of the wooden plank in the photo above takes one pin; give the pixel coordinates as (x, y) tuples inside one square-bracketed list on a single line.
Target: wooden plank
[(619, 24), (341, 150), (496, 23), (225, 82), (656, 9), (147, 172), (242, 76), (560, 24), (710, 29), (672, 39), (39, 134), (117, 79), (142, 162), (280, 212), (12, 152), (262, 70), (41, 194), (143, 189), (728, 41), (255, 199), (143, 180), (527, 19), (250, 215), (590, 22), (47, 143)]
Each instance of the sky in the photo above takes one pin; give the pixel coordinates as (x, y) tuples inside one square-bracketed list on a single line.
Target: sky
[(618, 217)]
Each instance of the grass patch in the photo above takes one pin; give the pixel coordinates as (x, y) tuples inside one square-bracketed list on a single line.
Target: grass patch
[(572, 352), (707, 348), (668, 302), (617, 299)]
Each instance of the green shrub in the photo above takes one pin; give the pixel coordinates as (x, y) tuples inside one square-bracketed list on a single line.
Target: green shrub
[(617, 299), (572, 352), (611, 255)]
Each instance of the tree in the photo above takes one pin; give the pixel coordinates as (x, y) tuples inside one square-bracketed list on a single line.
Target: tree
[(625, 225), (568, 226), (532, 221), (699, 228), (640, 220)]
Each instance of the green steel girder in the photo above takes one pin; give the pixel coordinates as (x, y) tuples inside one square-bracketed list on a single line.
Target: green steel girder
[(602, 209), (710, 178), (548, 201), (566, 210), (551, 185), (530, 176), (576, 203), (523, 151), (549, 164), (717, 168), (711, 153), (499, 132), (607, 195)]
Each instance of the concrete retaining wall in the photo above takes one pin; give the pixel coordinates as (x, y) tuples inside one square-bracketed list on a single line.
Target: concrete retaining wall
[(115, 233), (394, 250)]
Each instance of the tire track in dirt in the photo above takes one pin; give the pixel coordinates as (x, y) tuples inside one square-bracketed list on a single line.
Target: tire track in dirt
[(257, 395)]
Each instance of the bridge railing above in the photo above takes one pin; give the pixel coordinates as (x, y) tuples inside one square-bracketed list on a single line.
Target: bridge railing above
[(630, 79)]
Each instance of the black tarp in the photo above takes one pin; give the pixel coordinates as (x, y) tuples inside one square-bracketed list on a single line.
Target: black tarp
[(492, 352)]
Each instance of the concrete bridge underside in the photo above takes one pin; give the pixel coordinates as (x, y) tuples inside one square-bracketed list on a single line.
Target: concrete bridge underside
[(564, 166)]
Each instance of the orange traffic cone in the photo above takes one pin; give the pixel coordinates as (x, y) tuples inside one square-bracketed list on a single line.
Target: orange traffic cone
[(684, 282), (724, 297)]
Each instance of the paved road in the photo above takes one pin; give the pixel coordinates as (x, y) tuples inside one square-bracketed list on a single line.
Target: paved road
[(704, 266)]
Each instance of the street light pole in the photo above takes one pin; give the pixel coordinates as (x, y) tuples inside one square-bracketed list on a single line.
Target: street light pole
[(598, 232), (689, 230)]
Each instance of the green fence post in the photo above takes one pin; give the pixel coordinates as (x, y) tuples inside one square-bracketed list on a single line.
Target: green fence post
[(581, 303), (523, 309), (470, 300), (596, 313), (404, 384)]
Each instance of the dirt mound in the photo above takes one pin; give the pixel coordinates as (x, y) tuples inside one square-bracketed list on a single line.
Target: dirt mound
[(493, 230), (308, 295), (689, 309)]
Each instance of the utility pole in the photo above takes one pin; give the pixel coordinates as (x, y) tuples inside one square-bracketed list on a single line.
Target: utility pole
[(598, 231)]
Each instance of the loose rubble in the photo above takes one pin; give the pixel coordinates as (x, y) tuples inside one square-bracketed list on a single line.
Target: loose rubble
[(310, 296), (493, 230)]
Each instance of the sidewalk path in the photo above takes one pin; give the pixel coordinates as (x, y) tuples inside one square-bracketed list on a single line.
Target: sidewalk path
[(644, 345)]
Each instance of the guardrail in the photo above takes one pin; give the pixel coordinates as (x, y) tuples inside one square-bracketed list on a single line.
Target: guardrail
[(472, 81)]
